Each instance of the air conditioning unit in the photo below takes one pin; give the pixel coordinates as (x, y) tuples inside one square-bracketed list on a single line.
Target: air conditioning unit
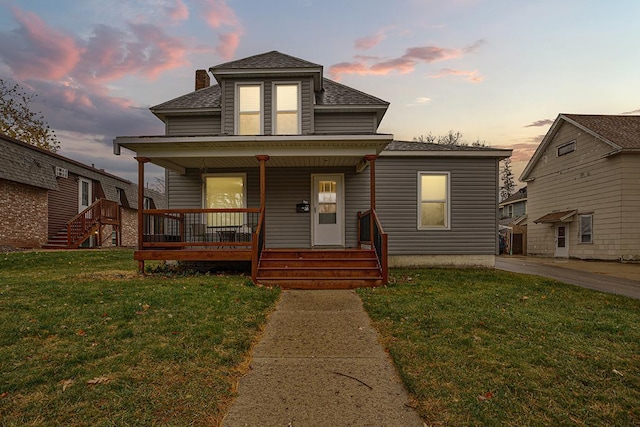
[(62, 172)]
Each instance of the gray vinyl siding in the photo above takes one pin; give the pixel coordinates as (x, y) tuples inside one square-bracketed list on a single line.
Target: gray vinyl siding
[(474, 184), (228, 102), (340, 123), (193, 125)]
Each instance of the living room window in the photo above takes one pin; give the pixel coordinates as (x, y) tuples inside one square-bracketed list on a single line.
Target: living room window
[(224, 191), (586, 228), (286, 101), (249, 109), (433, 200)]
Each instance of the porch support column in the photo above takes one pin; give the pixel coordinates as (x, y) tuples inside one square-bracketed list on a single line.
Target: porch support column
[(262, 158), (141, 162), (371, 158)]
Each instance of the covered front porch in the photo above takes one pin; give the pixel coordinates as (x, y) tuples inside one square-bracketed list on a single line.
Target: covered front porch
[(297, 207)]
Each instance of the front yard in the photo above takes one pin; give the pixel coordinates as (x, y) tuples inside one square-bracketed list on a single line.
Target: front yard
[(84, 340), (489, 347)]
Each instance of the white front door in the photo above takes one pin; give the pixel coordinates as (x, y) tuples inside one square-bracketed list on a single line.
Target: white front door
[(84, 194), (328, 210), (562, 241)]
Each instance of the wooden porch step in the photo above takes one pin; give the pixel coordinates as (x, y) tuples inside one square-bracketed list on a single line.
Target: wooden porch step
[(319, 269)]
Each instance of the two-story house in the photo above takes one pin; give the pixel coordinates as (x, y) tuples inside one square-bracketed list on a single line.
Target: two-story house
[(584, 189), (513, 223), (280, 167)]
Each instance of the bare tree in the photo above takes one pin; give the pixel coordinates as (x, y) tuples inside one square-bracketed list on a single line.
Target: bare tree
[(451, 138), (18, 120)]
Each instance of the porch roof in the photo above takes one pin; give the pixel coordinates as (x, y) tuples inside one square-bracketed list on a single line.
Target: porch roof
[(179, 153)]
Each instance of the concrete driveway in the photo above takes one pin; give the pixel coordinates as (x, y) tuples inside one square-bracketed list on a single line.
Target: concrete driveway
[(612, 277)]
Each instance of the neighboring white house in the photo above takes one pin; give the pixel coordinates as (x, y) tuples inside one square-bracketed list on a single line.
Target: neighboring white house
[(583, 186)]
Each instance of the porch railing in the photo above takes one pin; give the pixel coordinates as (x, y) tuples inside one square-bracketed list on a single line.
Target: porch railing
[(101, 212), (183, 228), (258, 247), (379, 242)]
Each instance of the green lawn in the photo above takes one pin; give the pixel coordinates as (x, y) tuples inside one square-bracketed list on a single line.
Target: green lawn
[(84, 340), (484, 347)]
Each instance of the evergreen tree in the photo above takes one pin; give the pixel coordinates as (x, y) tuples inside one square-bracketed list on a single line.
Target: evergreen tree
[(19, 121), (508, 182)]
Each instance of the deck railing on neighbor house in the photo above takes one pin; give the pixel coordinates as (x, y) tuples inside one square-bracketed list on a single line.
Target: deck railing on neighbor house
[(102, 212), (197, 228), (379, 242)]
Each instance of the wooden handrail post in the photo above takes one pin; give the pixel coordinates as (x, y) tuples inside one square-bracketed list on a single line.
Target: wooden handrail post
[(141, 162), (371, 158)]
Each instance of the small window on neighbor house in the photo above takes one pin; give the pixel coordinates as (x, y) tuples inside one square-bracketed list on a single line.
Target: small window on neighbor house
[(433, 200), (147, 203), (567, 148), (586, 228), (287, 109), (249, 101)]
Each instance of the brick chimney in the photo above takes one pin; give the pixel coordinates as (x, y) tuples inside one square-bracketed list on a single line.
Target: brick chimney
[(202, 79)]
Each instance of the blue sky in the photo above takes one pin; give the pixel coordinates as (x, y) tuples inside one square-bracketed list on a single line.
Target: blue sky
[(495, 70)]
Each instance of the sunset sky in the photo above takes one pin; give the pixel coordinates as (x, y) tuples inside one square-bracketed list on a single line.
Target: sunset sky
[(495, 70)]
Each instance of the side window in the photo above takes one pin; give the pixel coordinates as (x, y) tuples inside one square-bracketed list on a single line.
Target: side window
[(586, 228), (286, 109), (433, 200), (249, 109)]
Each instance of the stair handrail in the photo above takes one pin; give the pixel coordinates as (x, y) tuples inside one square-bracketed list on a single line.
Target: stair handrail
[(258, 246), (80, 225), (379, 241)]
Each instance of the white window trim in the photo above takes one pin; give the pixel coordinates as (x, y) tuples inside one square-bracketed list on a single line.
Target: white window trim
[(580, 242), (448, 201), (221, 175), (274, 105), (236, 99)]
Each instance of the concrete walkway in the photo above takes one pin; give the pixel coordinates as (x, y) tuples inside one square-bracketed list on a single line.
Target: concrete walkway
[(612, 277), (320, 364)]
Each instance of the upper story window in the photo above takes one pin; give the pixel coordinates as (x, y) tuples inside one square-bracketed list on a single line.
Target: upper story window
[(567, 148), (286, 109), (249, 102)]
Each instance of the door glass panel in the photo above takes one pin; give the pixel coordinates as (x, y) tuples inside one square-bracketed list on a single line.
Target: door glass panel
[(85, 193), (327, 202), (561, 237)]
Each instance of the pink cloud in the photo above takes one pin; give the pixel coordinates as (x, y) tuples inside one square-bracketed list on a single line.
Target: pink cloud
[(178, 11), (365, 43), (217, 13), (58, 53), (228, 44), (524, 150), (472, 76), (405, 63)]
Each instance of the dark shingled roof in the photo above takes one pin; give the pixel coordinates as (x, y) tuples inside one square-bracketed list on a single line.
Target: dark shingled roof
[(518, 195), (26, 164), (269, 60), (556, 217), (338, 94), (426, 146), (621, 130), (334, 94), (209, 97)]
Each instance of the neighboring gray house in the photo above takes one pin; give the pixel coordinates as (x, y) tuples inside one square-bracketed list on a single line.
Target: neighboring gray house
[(584, 189), (278, 166), (513, 223)]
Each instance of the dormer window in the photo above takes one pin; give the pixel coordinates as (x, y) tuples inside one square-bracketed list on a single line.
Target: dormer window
[(249, 118), (287, 108)]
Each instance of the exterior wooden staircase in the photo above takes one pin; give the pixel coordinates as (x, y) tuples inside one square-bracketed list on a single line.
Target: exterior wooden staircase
[(319, 269), (86, 224)]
